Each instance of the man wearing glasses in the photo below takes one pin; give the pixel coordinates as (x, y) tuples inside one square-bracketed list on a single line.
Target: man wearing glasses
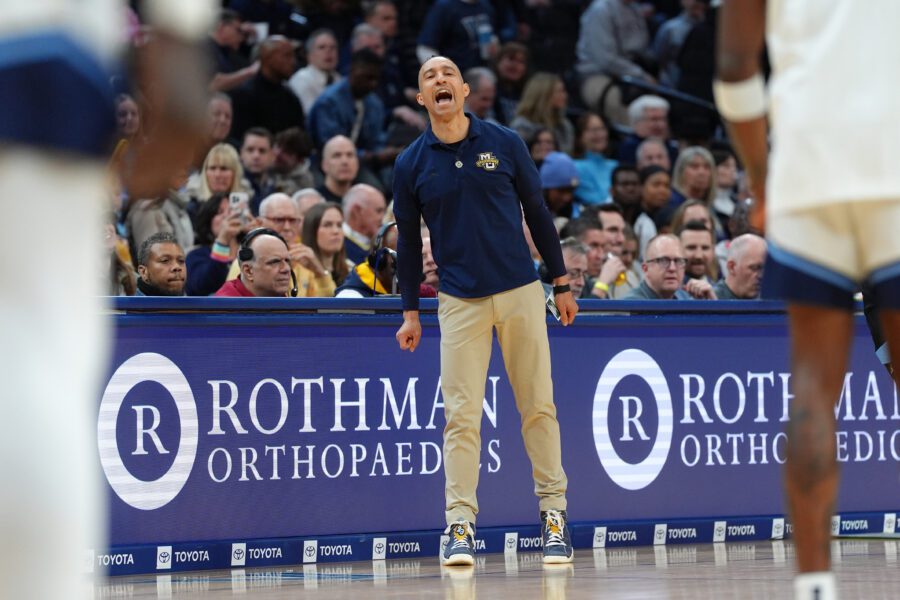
[(281, 213), (663, 267)]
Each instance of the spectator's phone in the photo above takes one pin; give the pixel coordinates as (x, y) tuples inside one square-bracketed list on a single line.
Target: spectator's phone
[(238, 203), (551, 306)]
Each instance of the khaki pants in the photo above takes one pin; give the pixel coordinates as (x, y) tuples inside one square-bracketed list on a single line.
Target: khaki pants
[(466, 338)]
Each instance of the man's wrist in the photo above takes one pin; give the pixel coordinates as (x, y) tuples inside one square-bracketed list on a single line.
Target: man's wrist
[(411, 315), (561, 289)]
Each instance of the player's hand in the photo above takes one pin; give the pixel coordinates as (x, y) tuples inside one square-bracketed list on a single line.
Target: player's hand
[(410, 333), (567, 307)]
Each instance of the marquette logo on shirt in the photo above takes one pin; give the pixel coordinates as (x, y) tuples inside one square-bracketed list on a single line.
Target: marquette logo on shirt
[(487, 161)]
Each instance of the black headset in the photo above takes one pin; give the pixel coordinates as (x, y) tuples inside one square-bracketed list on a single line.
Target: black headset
[(245, 252), (380, 257)]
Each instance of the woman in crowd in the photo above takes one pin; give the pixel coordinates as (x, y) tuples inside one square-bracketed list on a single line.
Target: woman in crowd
[(511, 68), (694, 176), (726, 186), (323, 232), (544, 104), (655, 193), (217, 230), (541, 143), (128, 118), (221, 173), (594, 168)]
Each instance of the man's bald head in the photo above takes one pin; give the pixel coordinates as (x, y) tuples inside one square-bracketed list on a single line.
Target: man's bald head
[(432, 63), (276, 57)]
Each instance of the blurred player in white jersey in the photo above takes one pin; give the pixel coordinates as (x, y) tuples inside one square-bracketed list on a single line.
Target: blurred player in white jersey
[(830, 196), (56, 117)]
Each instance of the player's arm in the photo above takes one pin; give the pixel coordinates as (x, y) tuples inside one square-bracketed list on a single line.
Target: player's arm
[(170, 71), (740, 91)]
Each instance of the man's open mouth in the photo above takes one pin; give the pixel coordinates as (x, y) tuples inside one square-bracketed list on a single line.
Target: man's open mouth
[(443, 96)]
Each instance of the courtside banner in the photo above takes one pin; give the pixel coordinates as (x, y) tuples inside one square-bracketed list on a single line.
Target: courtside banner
[(264, 423)]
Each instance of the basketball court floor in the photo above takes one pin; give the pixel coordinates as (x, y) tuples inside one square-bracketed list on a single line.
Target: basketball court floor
[(866, 568)]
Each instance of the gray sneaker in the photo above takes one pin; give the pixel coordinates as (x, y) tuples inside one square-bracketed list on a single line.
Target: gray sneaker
[(460, 549), (556, 538)]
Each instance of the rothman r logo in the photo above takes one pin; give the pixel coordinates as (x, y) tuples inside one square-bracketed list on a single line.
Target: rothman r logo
[(487, 161)]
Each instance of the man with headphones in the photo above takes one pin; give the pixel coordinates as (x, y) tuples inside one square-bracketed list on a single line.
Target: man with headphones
[(265, 267), (376, 275)]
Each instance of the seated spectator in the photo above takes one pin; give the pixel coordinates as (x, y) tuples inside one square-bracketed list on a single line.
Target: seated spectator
[(613, 42), (321, 70), (430, 269), (482, 93), (161, 267), (306, 199), (543, 104), (231, 69), (649, 118), (166, 214), (726, 186), (323, 232), (698, 243), (339, 170), (588, 231), (119, 273), (655, 193), (221, 173), (612, 242), (291, 170), (257, 157), (279, 212), (744, 270), (663, 267), (128, 118), (692, 210), (398, 95), (220, 117), (652, 151), (364, 208), (559, 177), (352, 109), (376, 274), (629, 258), (626, 192), (738, 225), (541, 143), (670, 37), (511, 68), (461, 30), (594, 168), (575, 258), (265, 267), (217, 229), (265, 100), (694, 176)]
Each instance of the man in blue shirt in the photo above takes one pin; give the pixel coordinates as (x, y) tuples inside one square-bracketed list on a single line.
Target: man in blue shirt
[(472, 181), (351, 107)]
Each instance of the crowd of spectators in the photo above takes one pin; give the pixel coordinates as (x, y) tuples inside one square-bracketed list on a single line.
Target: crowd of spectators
[(311, 101)]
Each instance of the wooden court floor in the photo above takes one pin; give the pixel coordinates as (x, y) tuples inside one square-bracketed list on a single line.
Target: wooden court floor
[(866, 568)]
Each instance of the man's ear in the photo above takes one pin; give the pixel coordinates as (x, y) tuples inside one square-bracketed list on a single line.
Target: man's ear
[(420, 99), (142, 272), (247, 271), (466, 90), (730, 267)]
